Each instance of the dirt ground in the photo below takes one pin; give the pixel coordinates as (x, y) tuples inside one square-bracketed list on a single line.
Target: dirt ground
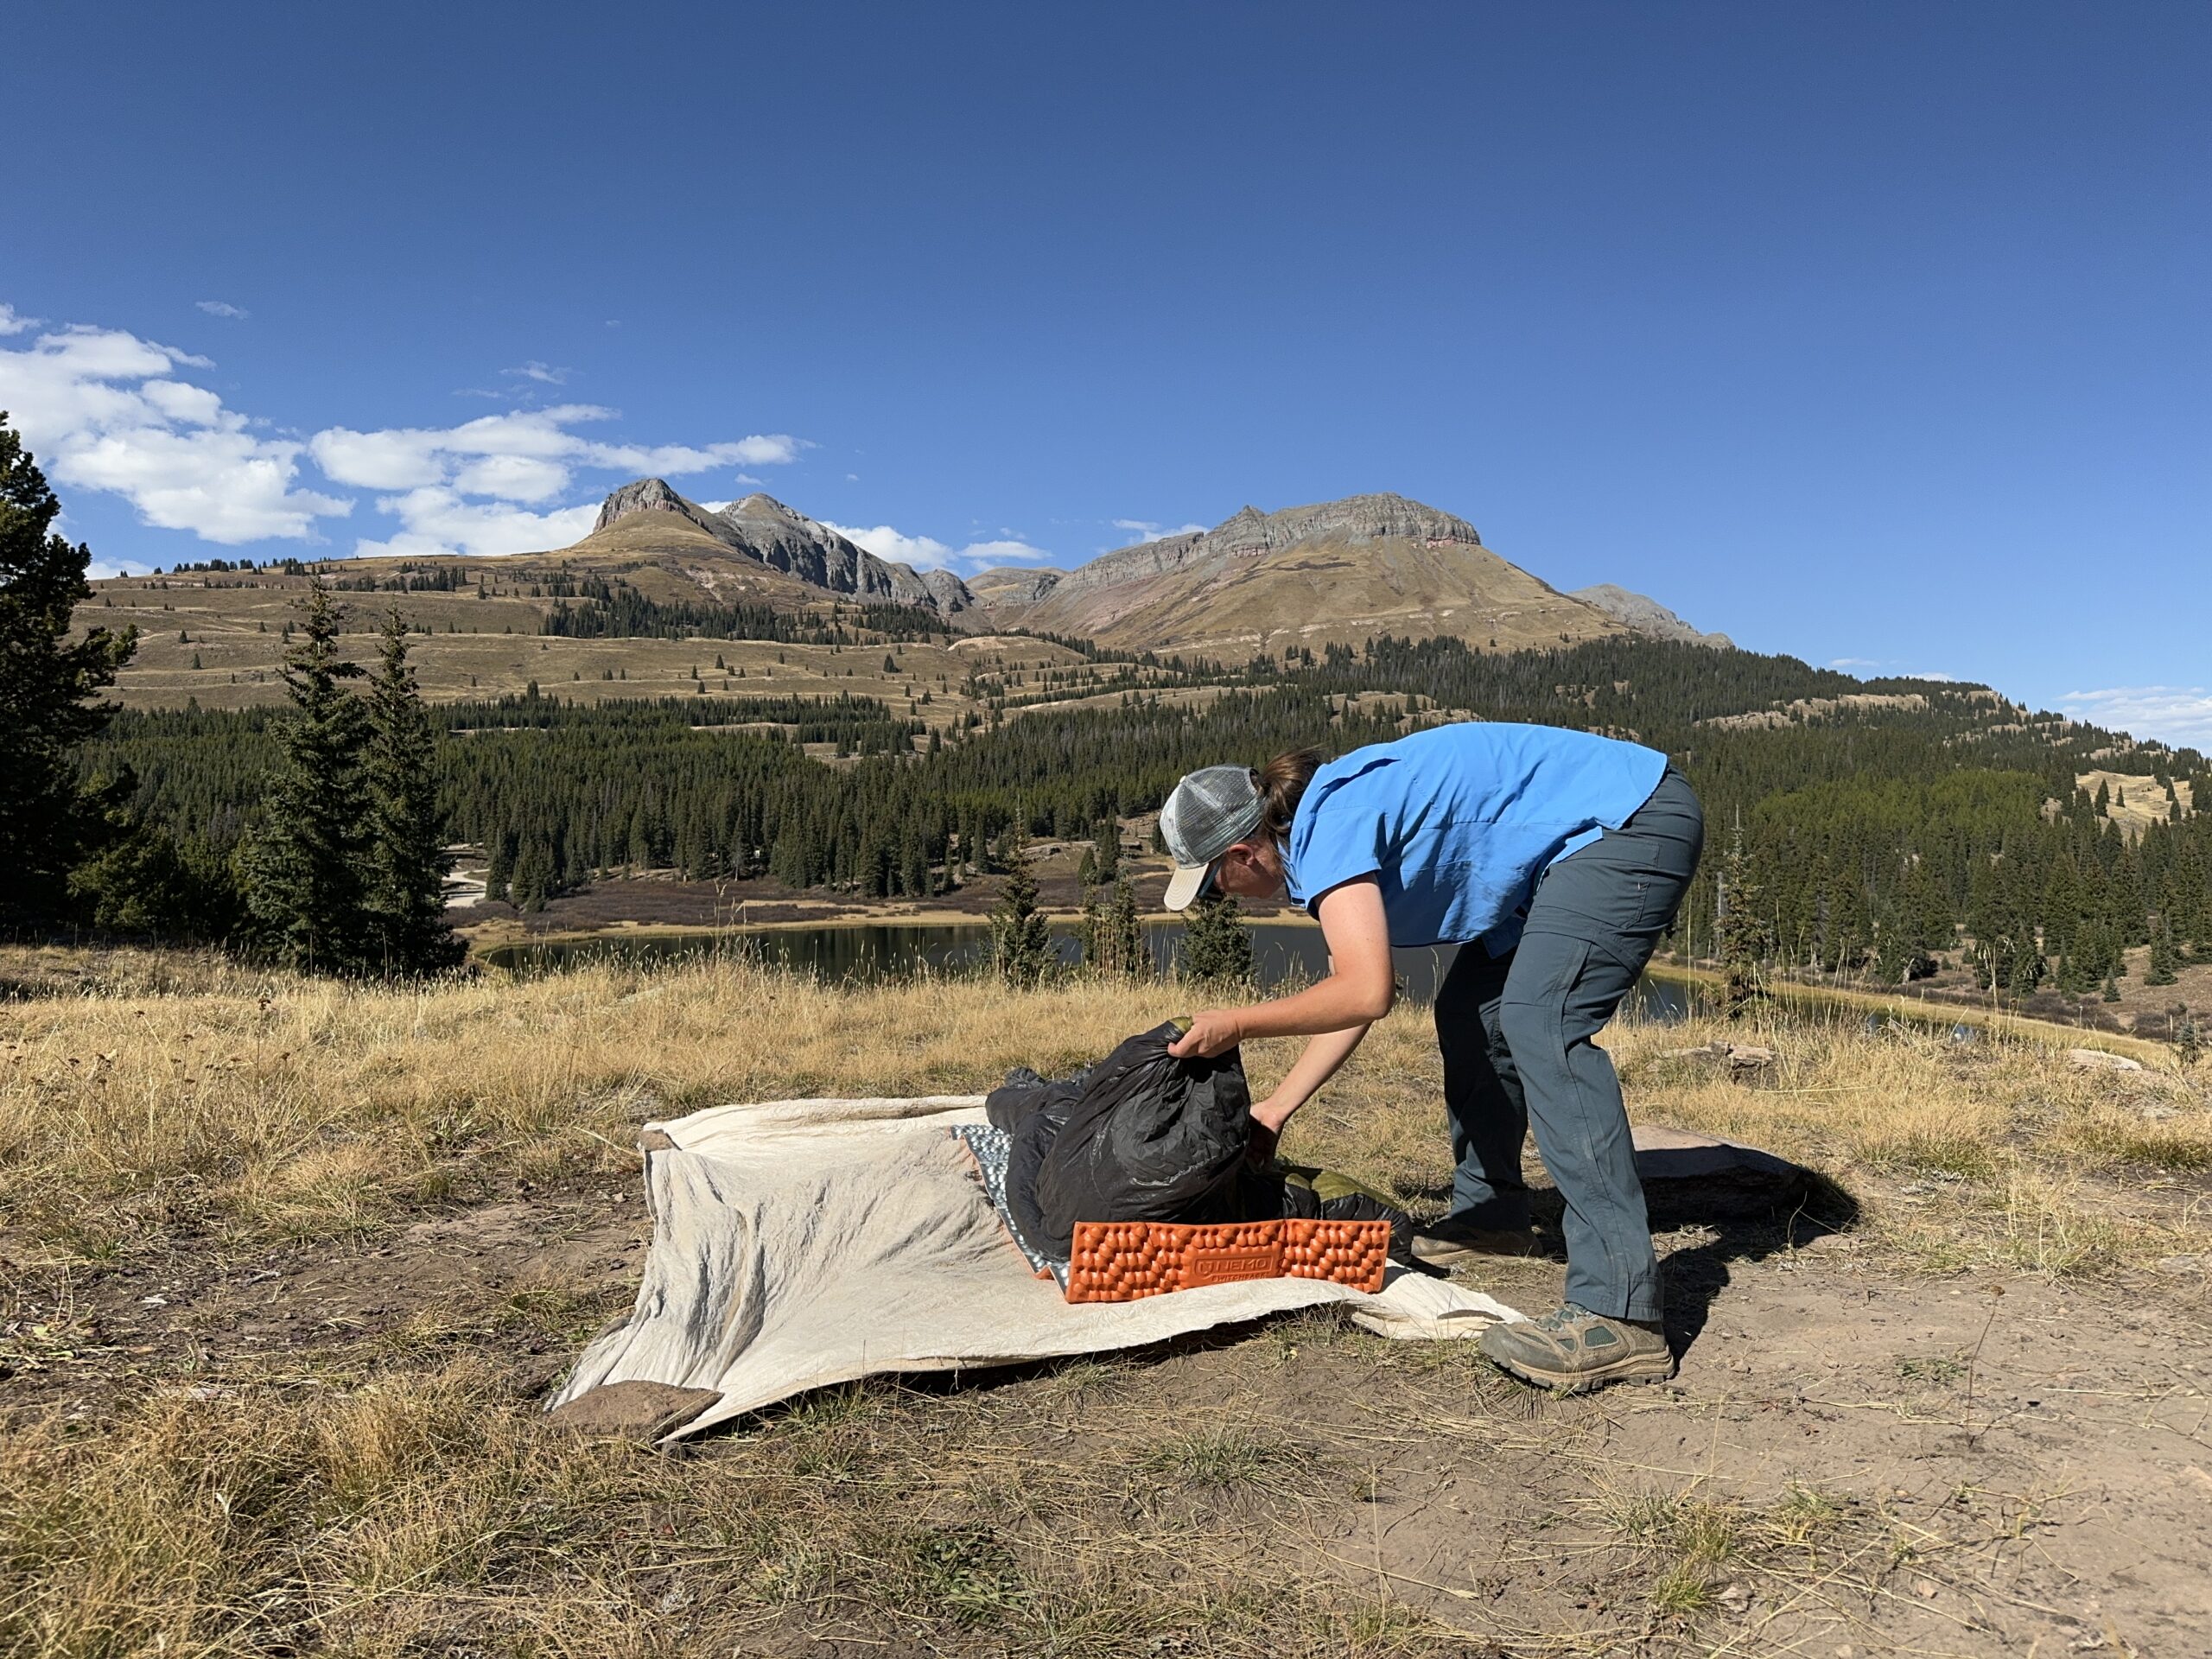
[(1853, 1461)]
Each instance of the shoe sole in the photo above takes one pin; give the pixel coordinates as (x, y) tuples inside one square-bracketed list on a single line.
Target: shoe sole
[(1637, 1368), (1125, 1260)]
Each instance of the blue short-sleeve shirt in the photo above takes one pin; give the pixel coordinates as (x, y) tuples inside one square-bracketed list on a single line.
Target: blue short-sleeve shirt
[(1457, 823)]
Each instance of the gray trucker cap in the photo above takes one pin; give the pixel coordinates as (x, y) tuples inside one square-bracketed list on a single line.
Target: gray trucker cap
[(1211, 810)]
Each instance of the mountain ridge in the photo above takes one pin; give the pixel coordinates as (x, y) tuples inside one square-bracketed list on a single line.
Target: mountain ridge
[(1647, 615), (760, 527), (1329, 573), (1259, 582)]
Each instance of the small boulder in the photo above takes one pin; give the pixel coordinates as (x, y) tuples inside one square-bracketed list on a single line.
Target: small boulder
[(2097, 1060), (1740, 1059), (632, 1411)]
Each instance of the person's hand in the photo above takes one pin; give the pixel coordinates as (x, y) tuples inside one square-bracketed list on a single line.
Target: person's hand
[(1267, 1119), (1273, 1113), (1213, 1031)]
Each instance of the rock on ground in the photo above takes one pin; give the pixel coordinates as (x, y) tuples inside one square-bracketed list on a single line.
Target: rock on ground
[(633, 1411)]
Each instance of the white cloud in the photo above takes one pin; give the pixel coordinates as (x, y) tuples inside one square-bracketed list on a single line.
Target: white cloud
[(392, 460), (2171, 714), (921, 551), (524, 455), (225, 308), (543, 373), (777, 449), (513, 478), (436, 520), (1853, 661), (108, 410), (1144, 530), (105, 412), (927, 553), (981, 556)]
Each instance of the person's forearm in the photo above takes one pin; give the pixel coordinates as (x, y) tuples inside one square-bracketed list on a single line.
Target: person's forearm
[(1333, 1005), (1320, 1061)]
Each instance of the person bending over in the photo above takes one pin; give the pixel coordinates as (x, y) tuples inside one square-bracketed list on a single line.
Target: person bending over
[(1556, 859)]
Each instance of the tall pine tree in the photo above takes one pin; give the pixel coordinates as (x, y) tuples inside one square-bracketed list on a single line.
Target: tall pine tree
[(1121, 936), (1739, 930), (305, 864), (47, 684), (1022, 939), (408, 863), (2161, 971)]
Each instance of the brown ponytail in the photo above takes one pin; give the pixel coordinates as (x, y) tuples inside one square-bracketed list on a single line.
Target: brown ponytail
[(1282, 783)]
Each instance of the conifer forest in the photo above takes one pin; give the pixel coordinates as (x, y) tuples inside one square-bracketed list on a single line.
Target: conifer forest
[(1880, 821)]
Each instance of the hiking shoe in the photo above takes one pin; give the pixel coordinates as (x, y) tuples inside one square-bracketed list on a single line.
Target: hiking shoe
[(1450, 1244), (1572, 1349)]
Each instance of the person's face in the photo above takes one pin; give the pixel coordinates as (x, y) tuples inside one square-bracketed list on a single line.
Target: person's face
[(1250, 870)]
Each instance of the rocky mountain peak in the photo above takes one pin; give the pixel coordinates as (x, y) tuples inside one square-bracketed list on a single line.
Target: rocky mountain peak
[(1354, 519), (1248, 532), (760, 527), (1646, 615), (644, 495), (761, 505)]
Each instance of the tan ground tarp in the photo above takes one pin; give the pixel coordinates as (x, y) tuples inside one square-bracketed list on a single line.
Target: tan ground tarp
[(804, 1242)]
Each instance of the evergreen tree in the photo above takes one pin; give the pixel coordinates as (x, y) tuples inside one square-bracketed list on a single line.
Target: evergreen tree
[(1217, 947), (408, 862), (2162, 956), (534, 878), (499, 866), (1022, 939), (2072, 981), (1106, 851), (1738, 929), (47, 682), (303, 865), (1121, 936)]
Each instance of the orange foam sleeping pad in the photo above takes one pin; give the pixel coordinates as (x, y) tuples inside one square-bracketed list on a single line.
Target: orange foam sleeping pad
[(1122, 1261)]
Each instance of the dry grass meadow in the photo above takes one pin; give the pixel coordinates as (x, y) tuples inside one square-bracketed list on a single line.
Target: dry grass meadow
[(289, 1267)]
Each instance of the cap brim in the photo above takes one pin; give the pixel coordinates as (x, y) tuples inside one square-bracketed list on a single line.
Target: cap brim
[(1187, 884)]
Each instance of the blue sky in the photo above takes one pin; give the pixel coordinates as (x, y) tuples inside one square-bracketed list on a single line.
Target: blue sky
[(1875, 333)]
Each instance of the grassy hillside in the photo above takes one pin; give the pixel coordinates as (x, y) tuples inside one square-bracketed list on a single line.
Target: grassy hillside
[(1329, 591), (231, 625), (291, 1264)]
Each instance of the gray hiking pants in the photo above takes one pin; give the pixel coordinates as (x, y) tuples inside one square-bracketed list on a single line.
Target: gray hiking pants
[(1515, 1032)]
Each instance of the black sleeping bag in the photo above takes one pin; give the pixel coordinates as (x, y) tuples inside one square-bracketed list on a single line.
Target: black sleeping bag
[(1139, 1136)]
